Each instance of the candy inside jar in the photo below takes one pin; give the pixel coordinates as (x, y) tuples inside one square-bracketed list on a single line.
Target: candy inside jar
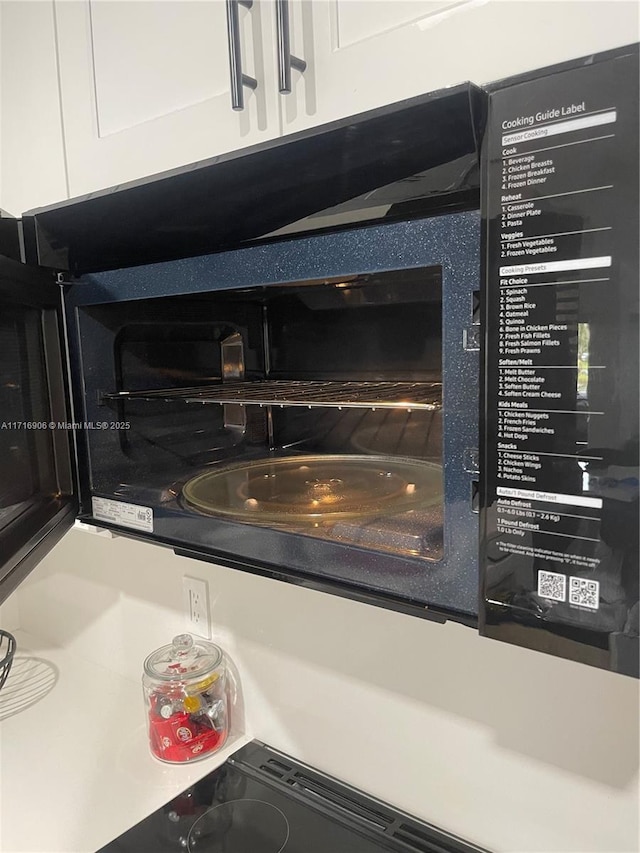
[(185, 690)]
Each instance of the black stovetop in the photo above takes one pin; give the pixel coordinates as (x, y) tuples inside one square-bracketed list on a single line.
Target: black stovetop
[(261, 801)]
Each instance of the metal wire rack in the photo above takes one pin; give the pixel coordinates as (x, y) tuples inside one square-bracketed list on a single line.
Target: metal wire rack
[(277, 392), (7, 651)]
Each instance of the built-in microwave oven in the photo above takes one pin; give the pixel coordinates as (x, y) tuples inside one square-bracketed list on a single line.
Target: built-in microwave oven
[(394, 358)]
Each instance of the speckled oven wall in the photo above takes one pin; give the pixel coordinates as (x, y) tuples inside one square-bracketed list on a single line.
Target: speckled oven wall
[(449, 242)]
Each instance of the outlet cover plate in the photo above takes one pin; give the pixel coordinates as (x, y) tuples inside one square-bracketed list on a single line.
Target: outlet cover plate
[(195, 605)]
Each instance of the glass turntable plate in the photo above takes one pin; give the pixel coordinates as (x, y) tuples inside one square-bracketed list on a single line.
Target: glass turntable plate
[(312, 489)]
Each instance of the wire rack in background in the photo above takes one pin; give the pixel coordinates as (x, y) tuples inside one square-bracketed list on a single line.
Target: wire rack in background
[(7, 651), (292, 392)]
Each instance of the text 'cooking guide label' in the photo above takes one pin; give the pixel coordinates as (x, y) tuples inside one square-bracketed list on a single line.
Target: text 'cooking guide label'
[(556, 240), (128, 515)]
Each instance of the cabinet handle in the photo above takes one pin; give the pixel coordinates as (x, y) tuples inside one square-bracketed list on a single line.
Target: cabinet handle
[(286, 60), (238, 79)]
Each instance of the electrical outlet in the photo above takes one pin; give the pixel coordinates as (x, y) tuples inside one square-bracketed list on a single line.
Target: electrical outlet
[(195, 602)]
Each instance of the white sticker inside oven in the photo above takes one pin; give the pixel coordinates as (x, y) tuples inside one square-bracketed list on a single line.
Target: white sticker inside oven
[(119, 512)]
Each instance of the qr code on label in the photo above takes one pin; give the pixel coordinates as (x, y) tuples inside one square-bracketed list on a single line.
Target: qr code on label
[(584, 592), (552, 585)]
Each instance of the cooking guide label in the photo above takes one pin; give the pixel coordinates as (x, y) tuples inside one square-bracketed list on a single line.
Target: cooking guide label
[(562, 285)]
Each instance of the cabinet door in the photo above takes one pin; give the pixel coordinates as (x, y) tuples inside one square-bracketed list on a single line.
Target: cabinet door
[(362, 54), (145, 86), (32, 166)]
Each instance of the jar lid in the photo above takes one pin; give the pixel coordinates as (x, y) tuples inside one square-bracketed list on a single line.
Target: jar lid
[(183, 659)]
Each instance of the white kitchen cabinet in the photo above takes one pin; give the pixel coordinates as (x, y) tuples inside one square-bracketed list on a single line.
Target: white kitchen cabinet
[(145, 86), (32, 167), (362, 54)]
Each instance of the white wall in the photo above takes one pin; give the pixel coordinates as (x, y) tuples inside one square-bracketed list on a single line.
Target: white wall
[(9, 614), (509, 748)]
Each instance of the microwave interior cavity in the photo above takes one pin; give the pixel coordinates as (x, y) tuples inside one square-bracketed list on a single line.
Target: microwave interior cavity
[(312, 406)]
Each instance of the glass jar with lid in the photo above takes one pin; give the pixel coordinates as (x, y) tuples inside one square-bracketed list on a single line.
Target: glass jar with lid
[(185, 690)]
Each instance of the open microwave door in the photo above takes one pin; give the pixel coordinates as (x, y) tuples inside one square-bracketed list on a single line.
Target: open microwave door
[(37, 500)]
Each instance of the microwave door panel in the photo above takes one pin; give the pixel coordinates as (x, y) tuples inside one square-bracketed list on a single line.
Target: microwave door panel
[(37, 501)]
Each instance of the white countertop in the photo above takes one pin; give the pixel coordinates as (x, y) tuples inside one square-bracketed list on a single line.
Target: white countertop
[(75, 768)]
